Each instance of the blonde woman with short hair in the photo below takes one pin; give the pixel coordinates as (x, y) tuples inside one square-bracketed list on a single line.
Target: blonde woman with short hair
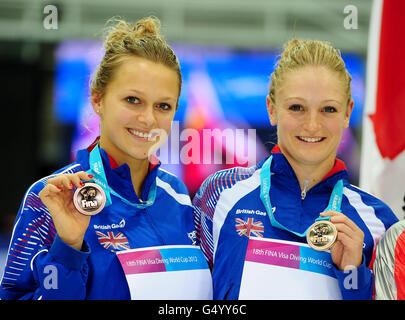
[(292, 227)]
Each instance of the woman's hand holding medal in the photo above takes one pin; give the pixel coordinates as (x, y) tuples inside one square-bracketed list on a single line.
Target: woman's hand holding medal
[(347, 251), (70, 224)]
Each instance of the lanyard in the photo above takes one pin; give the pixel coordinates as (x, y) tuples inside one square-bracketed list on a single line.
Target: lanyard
[(97, 170), (335, 200)]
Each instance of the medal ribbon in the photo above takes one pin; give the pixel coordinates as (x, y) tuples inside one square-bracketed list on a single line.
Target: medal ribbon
[(97, 170), (335, 200)]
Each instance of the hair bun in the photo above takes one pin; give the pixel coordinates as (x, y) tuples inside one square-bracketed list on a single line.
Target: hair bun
[(148, 26), (123, 40), (119, 31)]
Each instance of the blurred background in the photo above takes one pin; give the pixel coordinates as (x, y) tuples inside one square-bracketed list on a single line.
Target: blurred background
[(227, 51)]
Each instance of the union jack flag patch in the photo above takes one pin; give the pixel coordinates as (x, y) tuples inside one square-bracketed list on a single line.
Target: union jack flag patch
[(115, 242), (249, 227)]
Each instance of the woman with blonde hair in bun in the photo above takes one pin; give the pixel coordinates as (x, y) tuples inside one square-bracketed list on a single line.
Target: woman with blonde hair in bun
[(65, 243), (292, 226)]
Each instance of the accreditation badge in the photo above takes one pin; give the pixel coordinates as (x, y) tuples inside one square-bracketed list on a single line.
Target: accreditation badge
[(90, 199), (286, 270), (321, 235), (173, 272)]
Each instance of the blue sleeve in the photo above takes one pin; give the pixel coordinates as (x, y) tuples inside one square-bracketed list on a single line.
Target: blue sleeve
[(356, 284), (204, 203), (61, 273), (39, 264)]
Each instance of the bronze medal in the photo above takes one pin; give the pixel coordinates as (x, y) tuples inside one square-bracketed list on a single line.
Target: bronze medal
[(321, 235), (90, 199)]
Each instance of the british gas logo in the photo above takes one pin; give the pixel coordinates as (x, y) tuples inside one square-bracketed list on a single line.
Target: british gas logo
[(121, 224), (252, 212)]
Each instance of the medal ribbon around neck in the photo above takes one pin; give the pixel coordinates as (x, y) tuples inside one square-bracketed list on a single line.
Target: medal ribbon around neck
[(97, 170), (335, 200)]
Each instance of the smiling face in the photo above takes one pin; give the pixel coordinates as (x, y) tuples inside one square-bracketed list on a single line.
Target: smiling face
[(310, 112), (137, 109)]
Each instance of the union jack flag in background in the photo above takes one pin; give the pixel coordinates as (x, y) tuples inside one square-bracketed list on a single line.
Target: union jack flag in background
[(249, 227), (113, 241)]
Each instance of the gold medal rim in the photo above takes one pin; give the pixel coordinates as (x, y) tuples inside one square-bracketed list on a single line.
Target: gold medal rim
[(329, 244), (79, 208)]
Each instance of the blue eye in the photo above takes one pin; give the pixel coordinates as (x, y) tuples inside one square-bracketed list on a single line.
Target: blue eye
[(132, 100), (295, 107), (329, 109), (164, 106)]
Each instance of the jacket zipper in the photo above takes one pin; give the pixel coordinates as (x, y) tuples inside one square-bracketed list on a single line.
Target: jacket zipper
[(304, 191)]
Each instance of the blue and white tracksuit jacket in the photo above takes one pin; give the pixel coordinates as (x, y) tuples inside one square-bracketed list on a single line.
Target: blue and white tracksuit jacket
[(235, 194), (36, 251)]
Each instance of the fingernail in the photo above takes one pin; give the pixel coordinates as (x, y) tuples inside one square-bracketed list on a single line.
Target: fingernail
[(91, 176), (60, 188), (81, 183)]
